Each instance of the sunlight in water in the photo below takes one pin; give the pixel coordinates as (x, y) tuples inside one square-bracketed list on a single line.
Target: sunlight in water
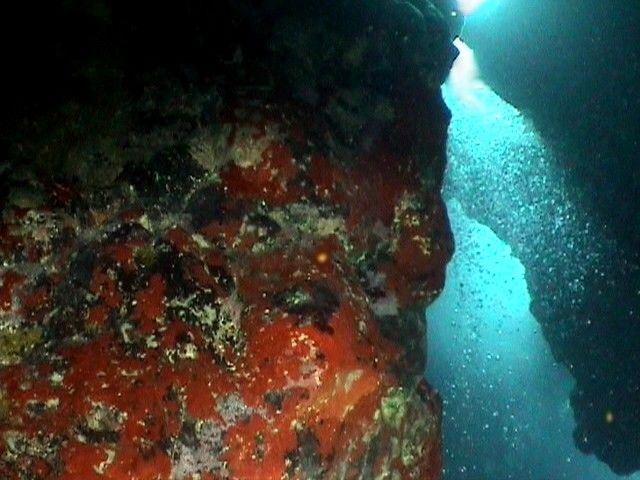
[(507, 415), (505, 399), (464, 78), (467, 7)]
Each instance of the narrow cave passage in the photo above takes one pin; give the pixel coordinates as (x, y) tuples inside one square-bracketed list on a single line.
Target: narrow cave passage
[(507, 401)]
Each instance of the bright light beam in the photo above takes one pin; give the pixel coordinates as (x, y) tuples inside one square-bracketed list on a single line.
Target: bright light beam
[(506, 411), (467, 7), (464, 81)]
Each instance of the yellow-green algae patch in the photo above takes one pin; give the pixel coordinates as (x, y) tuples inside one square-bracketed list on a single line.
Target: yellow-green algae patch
[(16, 344), (393, 408)]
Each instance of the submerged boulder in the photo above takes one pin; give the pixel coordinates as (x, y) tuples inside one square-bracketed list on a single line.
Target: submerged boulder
[(222, 274)]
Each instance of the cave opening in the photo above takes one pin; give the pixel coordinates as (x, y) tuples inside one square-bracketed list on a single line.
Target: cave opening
[(535, 335)]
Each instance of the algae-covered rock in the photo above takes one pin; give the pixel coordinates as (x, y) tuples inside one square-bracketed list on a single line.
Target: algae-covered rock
[(219, 273), (17, 344)]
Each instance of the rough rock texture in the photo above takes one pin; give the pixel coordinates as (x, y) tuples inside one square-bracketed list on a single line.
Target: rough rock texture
[(224, 277)]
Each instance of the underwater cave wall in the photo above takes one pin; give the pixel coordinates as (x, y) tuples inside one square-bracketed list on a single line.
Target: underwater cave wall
[(218, 242)]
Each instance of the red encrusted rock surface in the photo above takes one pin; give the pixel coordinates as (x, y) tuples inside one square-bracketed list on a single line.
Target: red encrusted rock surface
[(240, 297)]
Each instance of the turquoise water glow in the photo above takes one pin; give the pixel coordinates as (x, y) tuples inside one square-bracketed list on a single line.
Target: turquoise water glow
[(507, 412)]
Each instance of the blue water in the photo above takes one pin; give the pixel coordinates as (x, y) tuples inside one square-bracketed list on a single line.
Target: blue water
[(507, 412)]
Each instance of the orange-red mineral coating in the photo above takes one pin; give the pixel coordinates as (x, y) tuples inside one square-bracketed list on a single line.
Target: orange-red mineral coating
[(157, 363)]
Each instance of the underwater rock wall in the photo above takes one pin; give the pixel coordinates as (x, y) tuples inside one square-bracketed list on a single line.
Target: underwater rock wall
[(219, 269)]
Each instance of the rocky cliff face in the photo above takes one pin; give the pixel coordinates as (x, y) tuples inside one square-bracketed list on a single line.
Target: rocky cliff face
[(218, 268)]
